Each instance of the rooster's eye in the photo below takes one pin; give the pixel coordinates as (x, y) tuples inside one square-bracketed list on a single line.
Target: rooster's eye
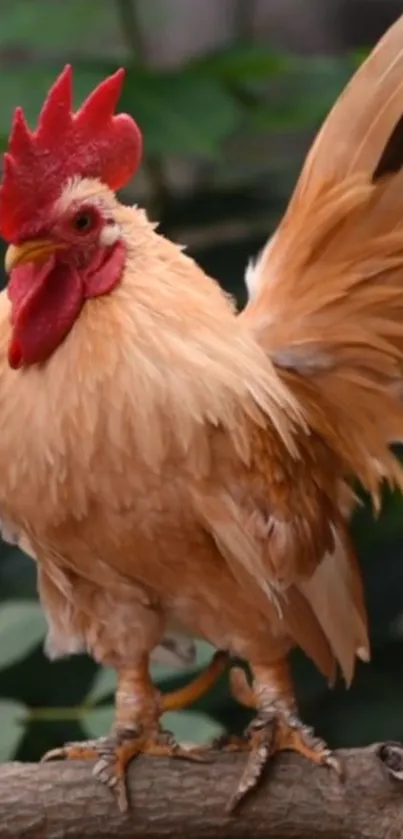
[(84, 221)]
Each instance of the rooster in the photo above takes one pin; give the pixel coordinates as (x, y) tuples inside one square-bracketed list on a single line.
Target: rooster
[(172, 465)]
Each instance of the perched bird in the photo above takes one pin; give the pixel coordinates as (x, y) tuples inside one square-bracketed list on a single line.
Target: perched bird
[(174, 466)]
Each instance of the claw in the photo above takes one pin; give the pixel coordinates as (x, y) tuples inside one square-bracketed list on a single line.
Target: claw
[(229, 743), (335, 764), (141, 733), (193, 754), (53, 754), (259, 755), (85, 750), (275, 728), (293, 735), (114, 754), (272, 731)]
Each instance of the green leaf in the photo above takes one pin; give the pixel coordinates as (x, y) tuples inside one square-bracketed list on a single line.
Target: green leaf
[(46, 25), (11, 729), (192, 727), (17, 571), (186, 726), (242, 62), (181, 112), (303, 95), (371, 710), (321, 78), (103, 685), (97, 723), (22, 627), (27, 85), (359, 55)]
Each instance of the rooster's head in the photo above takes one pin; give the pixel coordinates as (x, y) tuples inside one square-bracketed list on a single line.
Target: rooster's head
[(56, 212)]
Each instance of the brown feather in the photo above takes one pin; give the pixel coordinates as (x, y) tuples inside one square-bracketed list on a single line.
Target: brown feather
[(327, 307), (335, 594), (306, 630)]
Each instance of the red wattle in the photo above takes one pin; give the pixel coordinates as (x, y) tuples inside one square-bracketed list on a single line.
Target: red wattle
[(14, 353), (105, 271), (45, 303)]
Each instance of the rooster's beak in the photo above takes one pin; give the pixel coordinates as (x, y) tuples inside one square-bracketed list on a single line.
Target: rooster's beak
[(34, 250)]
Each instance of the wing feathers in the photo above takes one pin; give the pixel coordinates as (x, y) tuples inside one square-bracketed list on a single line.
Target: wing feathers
[(302, 623), (335, 595)]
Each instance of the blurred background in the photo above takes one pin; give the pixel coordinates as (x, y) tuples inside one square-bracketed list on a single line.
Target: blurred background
[(229, 95)]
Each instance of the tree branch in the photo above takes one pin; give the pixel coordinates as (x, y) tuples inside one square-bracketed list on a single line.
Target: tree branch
[(177, 798)]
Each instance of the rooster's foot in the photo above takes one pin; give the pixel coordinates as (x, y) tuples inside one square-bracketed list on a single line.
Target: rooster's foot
[(114, 753), (275, 728)]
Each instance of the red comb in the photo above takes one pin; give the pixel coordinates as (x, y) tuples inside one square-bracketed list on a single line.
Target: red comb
[(92, 143)]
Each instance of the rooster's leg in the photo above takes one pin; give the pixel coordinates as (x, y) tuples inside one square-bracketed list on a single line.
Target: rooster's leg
[(137, 729), (276, 726)]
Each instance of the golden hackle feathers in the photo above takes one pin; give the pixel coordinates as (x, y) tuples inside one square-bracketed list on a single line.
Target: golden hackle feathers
[(191, 336), (169, 348), (192, 354)]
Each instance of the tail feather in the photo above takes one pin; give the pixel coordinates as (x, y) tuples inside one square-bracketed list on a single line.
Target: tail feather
[(328, 300), (327, 307)]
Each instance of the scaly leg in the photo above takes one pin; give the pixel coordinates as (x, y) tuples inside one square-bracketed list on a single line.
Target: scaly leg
[(137, 728), (276, 726)]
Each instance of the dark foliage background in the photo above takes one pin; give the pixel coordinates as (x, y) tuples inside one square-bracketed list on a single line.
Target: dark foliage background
[(225, 134)]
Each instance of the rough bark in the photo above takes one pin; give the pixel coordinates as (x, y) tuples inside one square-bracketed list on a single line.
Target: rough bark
[(178, 799)]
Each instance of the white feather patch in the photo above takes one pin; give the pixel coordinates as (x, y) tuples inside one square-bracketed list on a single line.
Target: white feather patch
[(253, 273)]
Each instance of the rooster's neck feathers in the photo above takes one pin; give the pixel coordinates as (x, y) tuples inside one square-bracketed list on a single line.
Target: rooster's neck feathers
[(144, 375)]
